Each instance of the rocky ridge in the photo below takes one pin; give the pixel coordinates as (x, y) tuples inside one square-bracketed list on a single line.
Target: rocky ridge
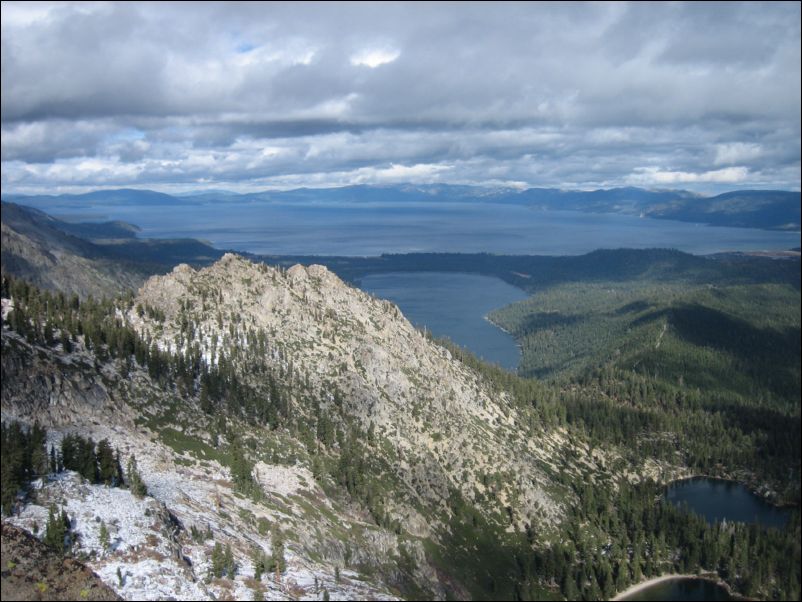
[(432, 427), (445, 424)]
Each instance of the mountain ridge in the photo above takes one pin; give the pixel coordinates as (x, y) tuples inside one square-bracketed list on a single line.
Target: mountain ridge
[(766, 209), (334, 389)]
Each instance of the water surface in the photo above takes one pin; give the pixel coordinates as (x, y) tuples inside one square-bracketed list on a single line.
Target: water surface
[(453, 305), (717, 499), (368, 229), (681, 590)]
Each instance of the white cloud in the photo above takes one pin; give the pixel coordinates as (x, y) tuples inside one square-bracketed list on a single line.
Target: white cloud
[(404, 173), (374, 57), (548, 94), (737, 152), (650, 176)]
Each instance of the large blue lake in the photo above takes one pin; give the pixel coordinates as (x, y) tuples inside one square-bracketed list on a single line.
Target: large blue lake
[(308, 228), (453, 305)]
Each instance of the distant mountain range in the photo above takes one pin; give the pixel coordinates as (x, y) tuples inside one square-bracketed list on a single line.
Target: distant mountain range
[(766, 209)]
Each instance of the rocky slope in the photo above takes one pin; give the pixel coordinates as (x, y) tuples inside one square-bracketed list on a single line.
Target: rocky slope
[(163, 544), (447, 427), (382, 445), (31, 571)]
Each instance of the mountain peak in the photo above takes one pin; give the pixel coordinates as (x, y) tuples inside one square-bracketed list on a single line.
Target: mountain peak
[(345, 344)]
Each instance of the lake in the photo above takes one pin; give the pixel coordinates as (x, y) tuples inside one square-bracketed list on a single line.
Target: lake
[(717, 499), (369, 229), (681, 590), (453, 305)]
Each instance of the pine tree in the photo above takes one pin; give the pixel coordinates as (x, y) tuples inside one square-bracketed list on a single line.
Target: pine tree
[(104, 536), (259, 561), (37, 439), (218, 560), (277, 560), (53, 460), (107, 469), (135, 482), (118, 469), (240, 466), (88, 461), (55, 530), (228, 561), (569, 588)]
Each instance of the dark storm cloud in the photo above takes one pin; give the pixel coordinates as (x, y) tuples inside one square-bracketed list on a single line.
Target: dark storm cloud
[(698, 95)]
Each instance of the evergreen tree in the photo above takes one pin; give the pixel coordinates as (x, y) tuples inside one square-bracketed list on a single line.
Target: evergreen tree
[(37, 443), (104, 536), (229, 562), (218, 560), (55, 530), (107, 467), (118, 469), (260, 564), (135, 482), (277, 561), (53, 460)]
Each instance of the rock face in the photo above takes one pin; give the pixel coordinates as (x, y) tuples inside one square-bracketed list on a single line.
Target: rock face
[(54, 388), (31, 571), (432, 436), (448, 429), (162, 544)]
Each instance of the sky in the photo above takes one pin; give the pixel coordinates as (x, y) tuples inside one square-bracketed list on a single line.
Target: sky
[(250, 96)]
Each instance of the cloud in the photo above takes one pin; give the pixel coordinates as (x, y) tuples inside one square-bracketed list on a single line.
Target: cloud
[(653, 175), (550, 95), (737, 152), (374, 57)]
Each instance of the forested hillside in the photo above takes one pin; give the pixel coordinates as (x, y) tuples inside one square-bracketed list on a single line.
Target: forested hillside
[(714, 361)]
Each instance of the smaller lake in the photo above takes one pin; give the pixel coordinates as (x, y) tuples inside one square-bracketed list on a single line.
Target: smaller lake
[(681, 590), (717, 499), (453, 305)]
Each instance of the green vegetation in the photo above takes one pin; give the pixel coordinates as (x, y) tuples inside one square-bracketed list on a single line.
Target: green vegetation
[(57, 530), (24, 457), (277, 563), (96, 466), (103, 536), (534, 273), (218, 561), (223, 563), (654, 355), (616, 535), (703, 375), (138, 488)]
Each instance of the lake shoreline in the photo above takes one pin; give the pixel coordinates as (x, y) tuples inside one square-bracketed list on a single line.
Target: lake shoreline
[(711, 577), (638, 587), (454, 305), (762, 490)]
